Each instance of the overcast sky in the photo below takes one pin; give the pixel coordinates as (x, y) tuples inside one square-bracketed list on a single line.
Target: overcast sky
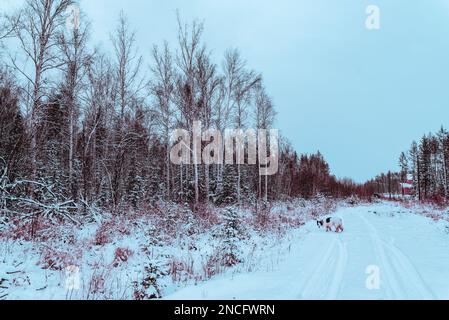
[(359, 96)]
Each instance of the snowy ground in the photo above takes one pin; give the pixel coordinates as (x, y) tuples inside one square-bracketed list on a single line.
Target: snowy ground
[(142, 255), (408, 253), (177, 256)]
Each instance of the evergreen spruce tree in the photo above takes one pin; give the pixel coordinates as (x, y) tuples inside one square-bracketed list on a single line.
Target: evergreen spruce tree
[(232, 235)]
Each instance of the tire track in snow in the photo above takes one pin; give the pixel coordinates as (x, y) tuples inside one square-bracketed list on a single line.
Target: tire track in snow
[(337, 280), (391, 285), (326, 279), (409, 273), (402, 277)]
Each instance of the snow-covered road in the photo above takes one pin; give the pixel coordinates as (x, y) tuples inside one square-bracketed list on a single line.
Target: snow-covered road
[(407, 253)]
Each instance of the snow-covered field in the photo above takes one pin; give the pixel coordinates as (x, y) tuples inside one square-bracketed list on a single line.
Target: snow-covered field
[(407, 253), (387, 251), (143, 255)]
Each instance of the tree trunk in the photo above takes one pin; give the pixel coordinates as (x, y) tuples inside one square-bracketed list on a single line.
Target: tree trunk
[(445, 177), (167, 167), (71, 147), (418, 177), (207, 181), (238, 184)]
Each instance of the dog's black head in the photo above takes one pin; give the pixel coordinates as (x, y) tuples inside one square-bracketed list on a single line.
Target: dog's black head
[(319, 223)]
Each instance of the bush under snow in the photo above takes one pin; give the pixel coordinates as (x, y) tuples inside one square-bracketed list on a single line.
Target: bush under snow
[(144, 254)]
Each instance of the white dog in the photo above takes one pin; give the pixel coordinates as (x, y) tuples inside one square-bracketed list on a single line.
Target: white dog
[(331, 222)]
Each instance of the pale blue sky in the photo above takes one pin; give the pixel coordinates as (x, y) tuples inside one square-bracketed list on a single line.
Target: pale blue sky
[(358, 96)]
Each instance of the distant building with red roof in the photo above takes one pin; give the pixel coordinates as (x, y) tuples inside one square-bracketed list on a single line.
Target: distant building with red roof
[(407, 187)]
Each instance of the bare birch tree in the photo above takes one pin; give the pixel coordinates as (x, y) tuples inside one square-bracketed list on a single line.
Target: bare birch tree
[(37, 30), (73, 46), (129, 86), (189, 41), (240, 85), (264, 114), (162, 87), (209, 85), (99, 99)]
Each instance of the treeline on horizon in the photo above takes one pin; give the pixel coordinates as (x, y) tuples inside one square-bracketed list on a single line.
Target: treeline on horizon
[(425, 164), (81, 128), (427, 161)]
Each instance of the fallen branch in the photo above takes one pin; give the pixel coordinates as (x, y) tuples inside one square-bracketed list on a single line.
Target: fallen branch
[(14, 272)]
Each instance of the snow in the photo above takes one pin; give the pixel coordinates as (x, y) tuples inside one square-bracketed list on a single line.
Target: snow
[(408, 245), (164, 253), (410, 252)]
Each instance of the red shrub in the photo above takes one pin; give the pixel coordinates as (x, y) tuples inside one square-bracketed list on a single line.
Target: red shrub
[(123, 226), (121, 256), (211, 267), (181, 270), (53, 259), (103, 234), (96, 285), (207, 214), (35, 228)]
